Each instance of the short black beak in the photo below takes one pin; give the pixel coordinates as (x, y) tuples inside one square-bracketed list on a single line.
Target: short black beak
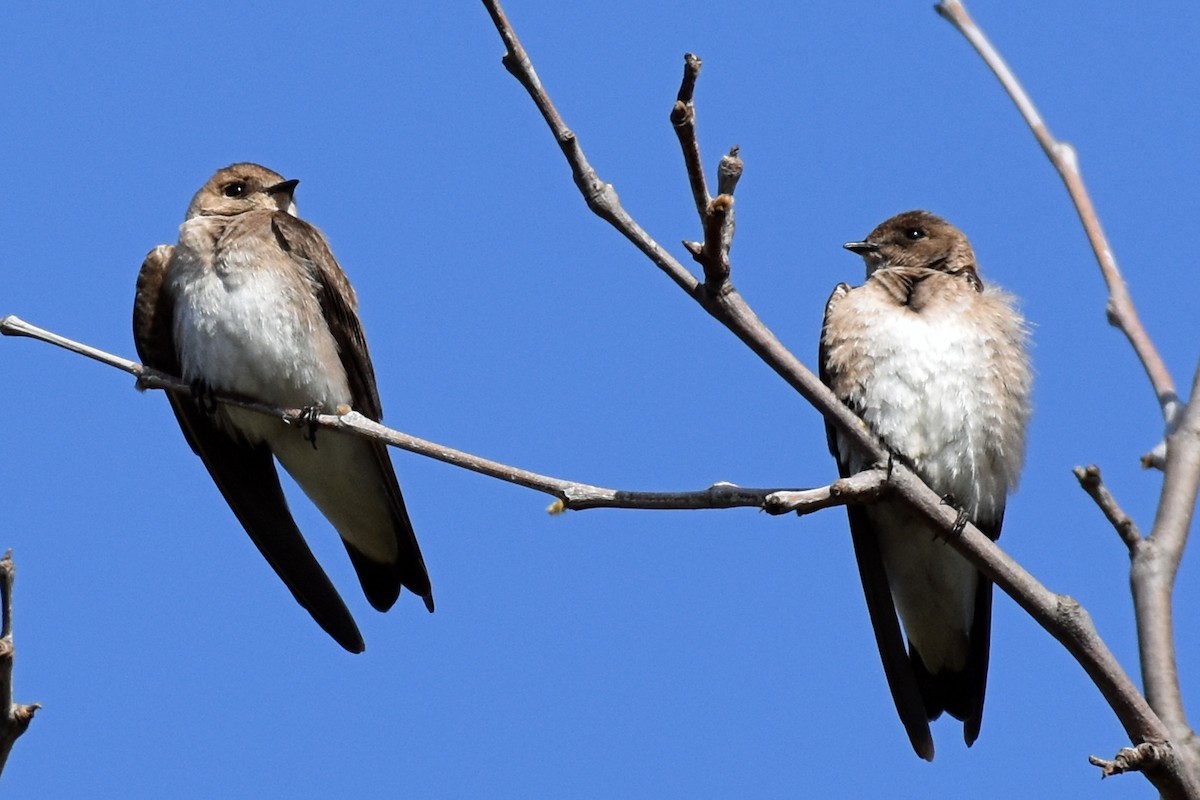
[(862, 248), (283, 187)]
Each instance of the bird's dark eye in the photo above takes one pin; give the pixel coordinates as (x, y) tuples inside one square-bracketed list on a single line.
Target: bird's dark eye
[(913, 234), (235, 189)]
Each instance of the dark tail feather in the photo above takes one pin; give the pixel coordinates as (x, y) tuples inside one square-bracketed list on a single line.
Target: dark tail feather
[(381, 582), (961, 694), (906, 693)]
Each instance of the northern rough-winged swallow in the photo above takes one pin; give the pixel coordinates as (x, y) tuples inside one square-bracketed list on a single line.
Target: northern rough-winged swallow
[(936, 366), (251, 301)]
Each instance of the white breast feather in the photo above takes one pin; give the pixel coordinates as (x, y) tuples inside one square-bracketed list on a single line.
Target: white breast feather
[(953, 421), (239, 329)]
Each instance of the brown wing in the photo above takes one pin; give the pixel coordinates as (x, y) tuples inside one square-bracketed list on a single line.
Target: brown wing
[(244, 474), (897, 666), (153, 333), (381, 582)]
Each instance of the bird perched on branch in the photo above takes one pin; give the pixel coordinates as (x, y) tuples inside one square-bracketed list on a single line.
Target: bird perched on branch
[(252, 302), (936, 366)]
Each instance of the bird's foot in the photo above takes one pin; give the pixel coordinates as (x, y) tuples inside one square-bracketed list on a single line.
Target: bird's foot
[(889, 466), (961, 520), (308, 417), (203, 395)]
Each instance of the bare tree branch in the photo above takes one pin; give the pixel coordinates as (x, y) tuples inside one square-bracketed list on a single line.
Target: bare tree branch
[(1127, 529), (14, 717), (716, 214), (1121, 311), (683, 117), (719, 223), (600, 196), (1155, 564), (1155, 560), (1144, 757), (861, 488), (1061, 616), (865, 487)]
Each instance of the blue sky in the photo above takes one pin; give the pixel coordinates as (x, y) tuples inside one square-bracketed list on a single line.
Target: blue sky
[(602, 653)]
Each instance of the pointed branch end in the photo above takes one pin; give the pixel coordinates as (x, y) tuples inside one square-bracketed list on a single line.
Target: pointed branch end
[(12, 325), (23, 714), (1088, 477), (1111, 314), (1147, 756), (1156, 458), (687, 88), (863, 487), (949, 10), (511, 64), (729, 171)]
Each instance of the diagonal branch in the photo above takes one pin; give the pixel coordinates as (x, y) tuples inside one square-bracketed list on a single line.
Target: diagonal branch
[(1155, 560), (1061, 616), (1121, 311), (1091, 482), (600, 196)]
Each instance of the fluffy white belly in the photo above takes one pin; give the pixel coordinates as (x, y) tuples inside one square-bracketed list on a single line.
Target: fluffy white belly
[(250, 332), (929, 397)]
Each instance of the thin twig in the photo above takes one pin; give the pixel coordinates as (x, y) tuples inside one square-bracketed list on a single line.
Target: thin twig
[(601, 197), (718, 236), (1143, 758), (14, 717), (683, 119), (861, 488), (865, 487), (729, 170), (13, 325), (720, 225), (716, 213), (1121, 311), (1091, 482)]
